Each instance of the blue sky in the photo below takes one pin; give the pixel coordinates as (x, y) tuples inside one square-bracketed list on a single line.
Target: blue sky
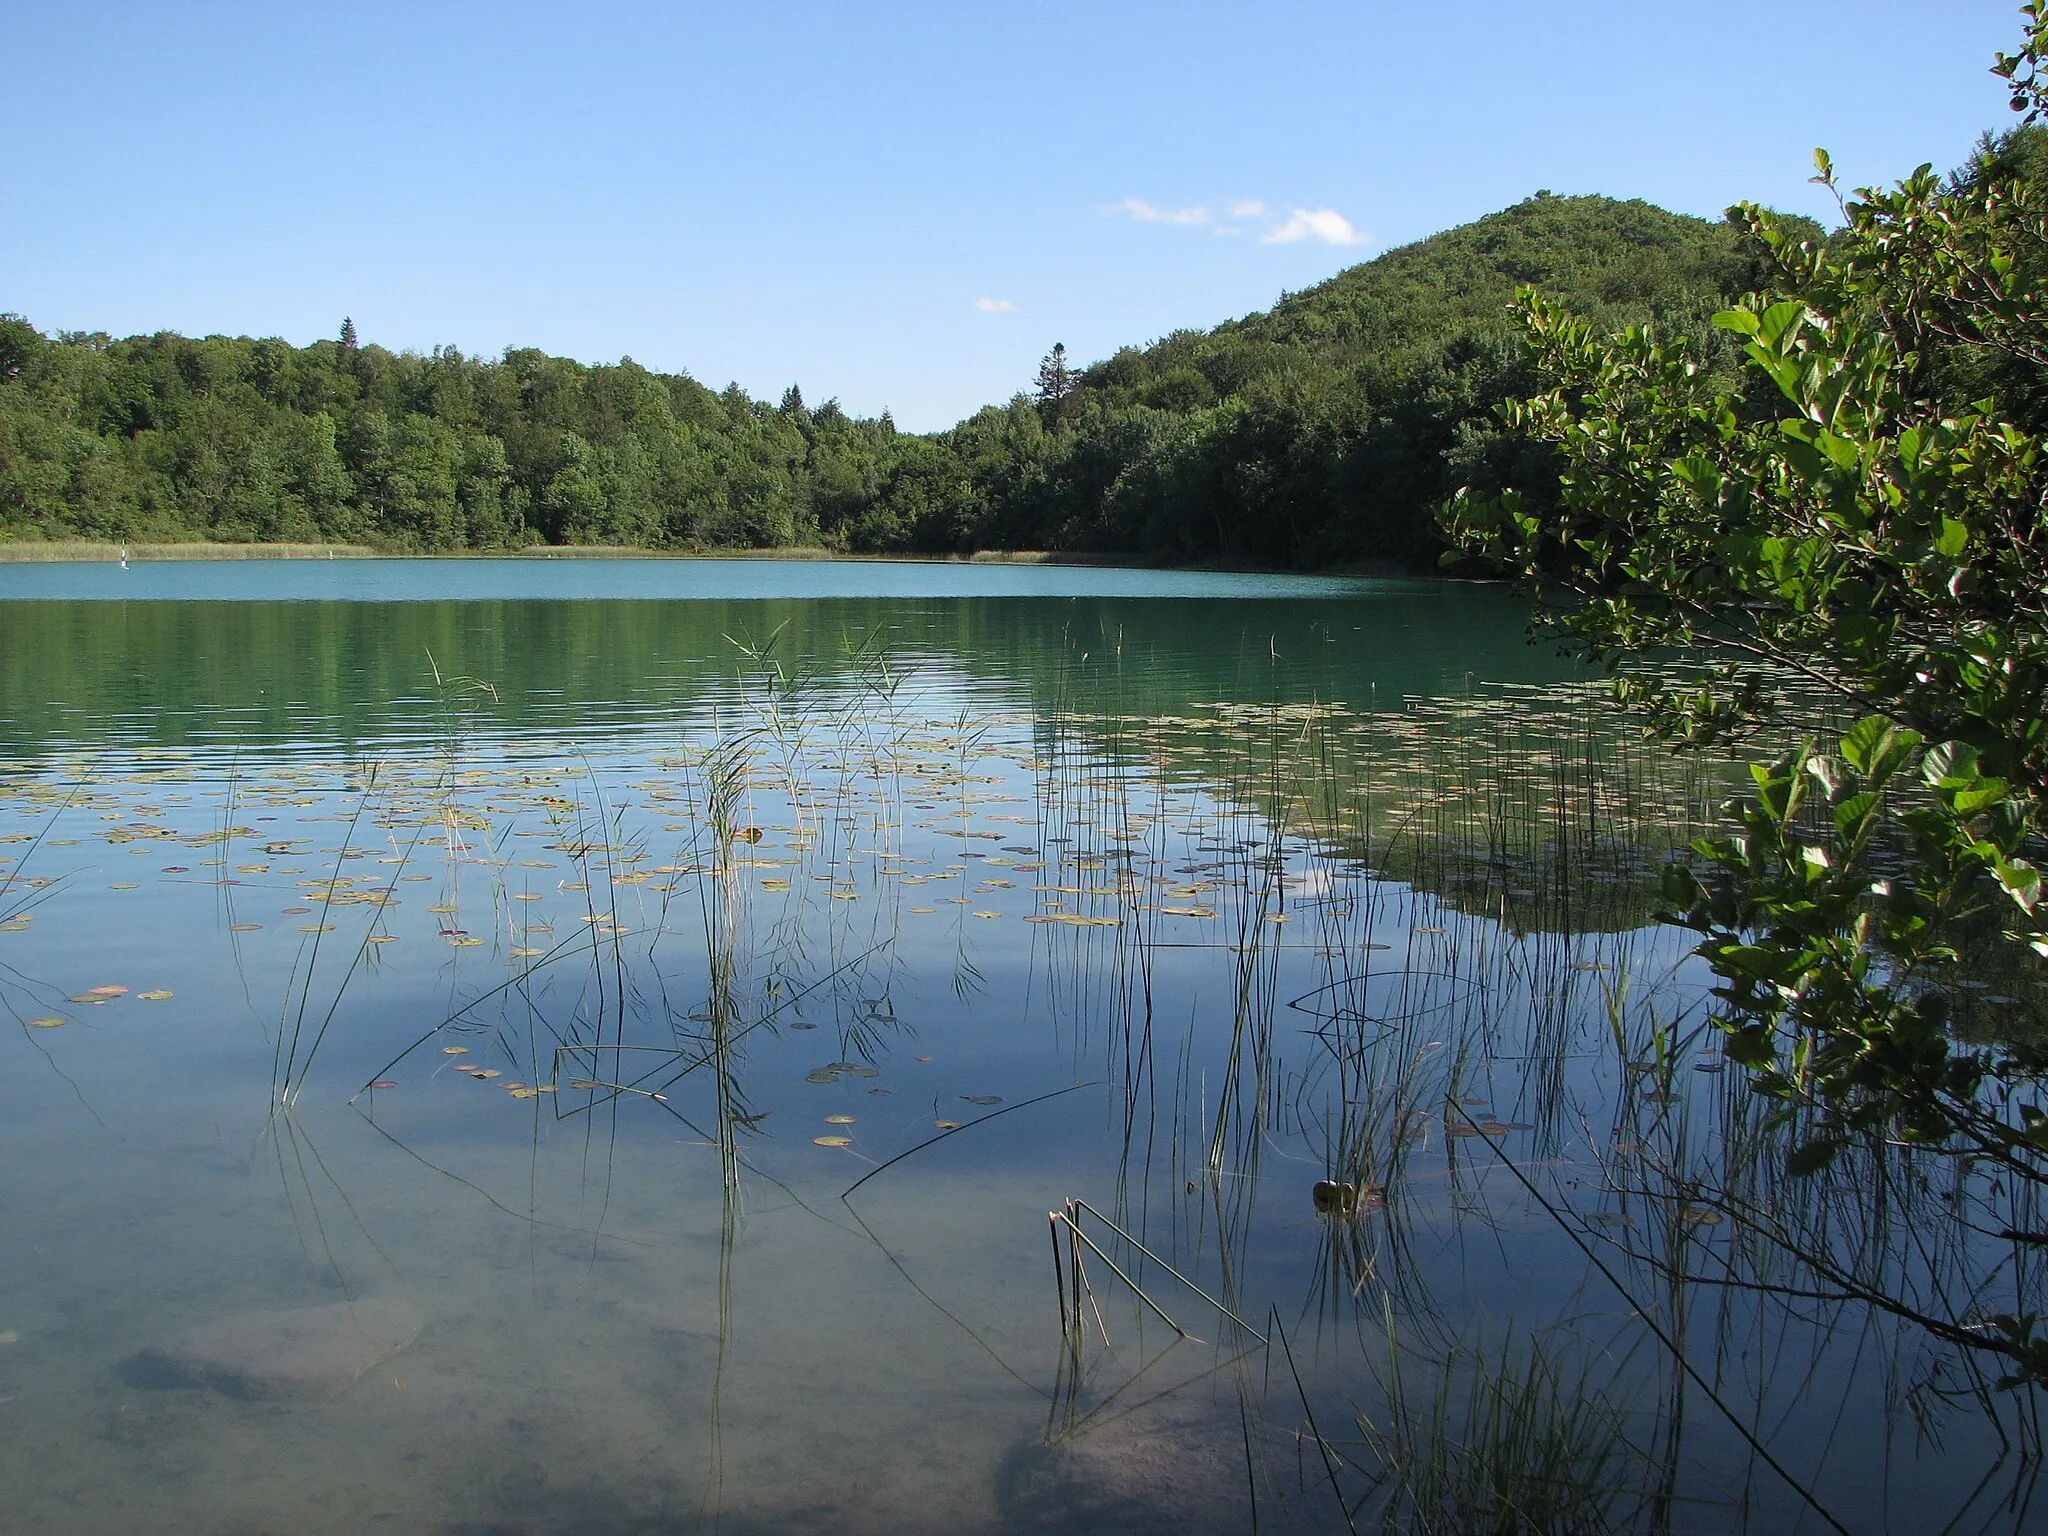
[(902, 206)]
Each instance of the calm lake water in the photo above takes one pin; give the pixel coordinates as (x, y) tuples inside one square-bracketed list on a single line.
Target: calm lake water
[(690, 986)]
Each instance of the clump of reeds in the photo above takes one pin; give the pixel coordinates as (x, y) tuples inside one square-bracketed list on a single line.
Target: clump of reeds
[(1502, 1442)]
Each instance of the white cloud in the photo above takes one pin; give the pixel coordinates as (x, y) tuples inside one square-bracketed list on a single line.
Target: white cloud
[(1249, 208), (1151, 213), (995, 306), (1324, 224)]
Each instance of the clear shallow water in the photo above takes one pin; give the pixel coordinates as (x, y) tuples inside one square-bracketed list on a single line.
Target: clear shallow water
[(1174, 903)]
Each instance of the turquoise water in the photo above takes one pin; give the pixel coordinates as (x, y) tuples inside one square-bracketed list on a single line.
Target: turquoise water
[(534, 578), (821, 929)]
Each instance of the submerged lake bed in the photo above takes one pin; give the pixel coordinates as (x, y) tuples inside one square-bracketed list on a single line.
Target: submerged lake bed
[(887, 1048)]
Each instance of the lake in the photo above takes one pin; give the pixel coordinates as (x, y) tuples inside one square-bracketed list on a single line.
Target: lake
[(603, 1046)]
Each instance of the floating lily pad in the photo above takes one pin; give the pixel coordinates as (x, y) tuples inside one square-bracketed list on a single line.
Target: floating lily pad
[(833, 1141), (156, 996), (49, 1023)]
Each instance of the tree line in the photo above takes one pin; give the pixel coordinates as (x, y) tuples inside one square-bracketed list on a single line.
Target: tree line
[(1323, 432)]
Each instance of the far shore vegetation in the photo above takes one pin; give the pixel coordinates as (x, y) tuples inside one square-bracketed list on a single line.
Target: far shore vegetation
[(1321, 434)]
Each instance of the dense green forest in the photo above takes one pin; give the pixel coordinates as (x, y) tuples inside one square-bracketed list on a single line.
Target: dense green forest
[(1323, 432)]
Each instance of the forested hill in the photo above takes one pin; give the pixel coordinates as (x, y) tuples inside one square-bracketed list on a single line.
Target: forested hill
[(1321, 432)]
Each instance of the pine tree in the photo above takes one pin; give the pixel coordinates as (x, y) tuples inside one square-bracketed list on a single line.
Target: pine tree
[(348, 334), (1055, 382)]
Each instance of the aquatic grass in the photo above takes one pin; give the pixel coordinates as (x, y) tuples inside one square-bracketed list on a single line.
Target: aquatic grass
[(1498, 1440), (1463, 968)]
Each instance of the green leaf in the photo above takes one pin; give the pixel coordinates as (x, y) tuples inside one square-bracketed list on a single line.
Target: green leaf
[(1953, 765), (1850, 813), (1860, 746), (1980, 796)]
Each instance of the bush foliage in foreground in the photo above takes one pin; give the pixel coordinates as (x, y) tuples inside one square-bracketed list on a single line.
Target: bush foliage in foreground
[(1860, 517)]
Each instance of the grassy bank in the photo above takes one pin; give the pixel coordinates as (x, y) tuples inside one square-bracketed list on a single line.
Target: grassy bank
[(52, 550)]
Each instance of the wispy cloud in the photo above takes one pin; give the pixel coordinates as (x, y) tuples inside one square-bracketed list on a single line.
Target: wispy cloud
[(1152, 213), (995, 306), (1292, 226), (1324, 224)]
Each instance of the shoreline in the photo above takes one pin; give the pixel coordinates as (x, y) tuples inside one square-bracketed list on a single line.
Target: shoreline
[(53, 552)]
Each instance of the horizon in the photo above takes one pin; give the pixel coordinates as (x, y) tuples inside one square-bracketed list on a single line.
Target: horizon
[(902, 212)]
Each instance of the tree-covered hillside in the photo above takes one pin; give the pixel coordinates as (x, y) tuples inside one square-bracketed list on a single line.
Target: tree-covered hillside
[(1322, 432)]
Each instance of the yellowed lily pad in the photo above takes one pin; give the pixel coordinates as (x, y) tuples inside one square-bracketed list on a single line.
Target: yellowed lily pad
[(833, 1141), (157, 995)]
